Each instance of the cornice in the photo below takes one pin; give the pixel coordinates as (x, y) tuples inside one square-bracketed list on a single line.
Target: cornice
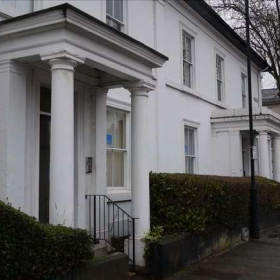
[(111, 37), (11, 66), (68, 16)]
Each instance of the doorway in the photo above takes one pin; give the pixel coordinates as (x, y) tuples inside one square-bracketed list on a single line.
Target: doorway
[(44, 157)]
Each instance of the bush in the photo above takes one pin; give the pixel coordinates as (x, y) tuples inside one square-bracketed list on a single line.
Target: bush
[(31, 250), (199, 204)]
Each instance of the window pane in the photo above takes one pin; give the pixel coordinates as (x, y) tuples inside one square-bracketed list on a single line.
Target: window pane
[(109, 8), (186, 141), (243, 85), (189, 162), (118, 11), (110, 128), (118, 168), (219, 67), (243, 101), (187, 74), (191, 142), (219, 88), (109, 168), (187, 47), (120, 131)]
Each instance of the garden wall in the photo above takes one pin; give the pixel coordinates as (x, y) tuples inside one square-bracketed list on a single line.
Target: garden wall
[(203, 215)]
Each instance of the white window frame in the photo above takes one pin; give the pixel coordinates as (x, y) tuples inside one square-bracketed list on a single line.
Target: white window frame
[(127, 154), (244, 94), (195, 127), (222, 80), (190, 35), (123, 23)]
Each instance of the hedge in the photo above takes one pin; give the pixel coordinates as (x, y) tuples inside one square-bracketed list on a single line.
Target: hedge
[(32, 250), (199, 204)]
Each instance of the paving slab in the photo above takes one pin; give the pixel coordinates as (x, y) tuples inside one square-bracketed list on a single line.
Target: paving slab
[(257, 259)]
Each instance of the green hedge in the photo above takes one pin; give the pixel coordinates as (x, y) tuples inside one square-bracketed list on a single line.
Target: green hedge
[(203, 204), (31, 250)]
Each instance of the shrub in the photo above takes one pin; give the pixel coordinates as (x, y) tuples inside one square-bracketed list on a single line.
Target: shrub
[(31, 250), (203, 204)]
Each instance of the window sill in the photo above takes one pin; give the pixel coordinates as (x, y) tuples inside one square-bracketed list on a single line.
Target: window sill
[(195, 94), (119, 195)]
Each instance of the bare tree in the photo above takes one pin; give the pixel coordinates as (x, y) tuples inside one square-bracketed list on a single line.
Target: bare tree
[(264, 27)]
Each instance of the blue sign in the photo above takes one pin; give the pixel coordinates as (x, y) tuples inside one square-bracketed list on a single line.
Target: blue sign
[(109, 140)]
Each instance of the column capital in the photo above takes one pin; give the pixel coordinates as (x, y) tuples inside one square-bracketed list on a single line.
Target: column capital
[(276, 137), (63, 59), (263, 132), (139, 88), (62, 64), (234, 132)]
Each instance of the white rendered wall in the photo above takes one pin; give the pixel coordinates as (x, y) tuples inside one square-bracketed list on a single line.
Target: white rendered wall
[(94, 8), (173, 103)]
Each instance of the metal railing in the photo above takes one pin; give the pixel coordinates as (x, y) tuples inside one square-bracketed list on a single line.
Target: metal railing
[(110, 223)]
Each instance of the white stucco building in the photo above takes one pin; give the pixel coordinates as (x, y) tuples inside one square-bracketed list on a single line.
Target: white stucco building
[(96, 94)]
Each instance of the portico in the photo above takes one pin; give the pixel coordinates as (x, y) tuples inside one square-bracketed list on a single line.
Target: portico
[(79, 59), (234, 123)]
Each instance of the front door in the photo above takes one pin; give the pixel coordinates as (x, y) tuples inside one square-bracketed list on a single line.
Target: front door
[(44, 171)]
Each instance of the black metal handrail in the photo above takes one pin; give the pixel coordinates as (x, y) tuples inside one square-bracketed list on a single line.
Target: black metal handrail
[(110, 223)]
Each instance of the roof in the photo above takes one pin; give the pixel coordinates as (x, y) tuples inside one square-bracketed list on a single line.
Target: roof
[(270, 96), (208, 14)]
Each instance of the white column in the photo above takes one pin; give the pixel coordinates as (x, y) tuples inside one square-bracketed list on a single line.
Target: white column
[(62, 142), (140, 163), (263, 154), (276, 158), (13, 78), (100, 144), (235, 153)]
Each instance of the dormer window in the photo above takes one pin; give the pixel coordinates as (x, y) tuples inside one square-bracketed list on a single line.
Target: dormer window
[(114, 16)]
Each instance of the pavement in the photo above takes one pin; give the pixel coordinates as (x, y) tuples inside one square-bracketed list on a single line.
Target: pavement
[(253, 260)]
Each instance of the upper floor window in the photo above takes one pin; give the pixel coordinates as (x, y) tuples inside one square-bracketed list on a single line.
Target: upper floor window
[(114, 11), (243, 90), (188, 42), (116, 148), (190, 150), (220, 77)]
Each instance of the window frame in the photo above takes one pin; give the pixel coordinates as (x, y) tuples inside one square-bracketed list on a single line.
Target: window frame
[(195, 127), (187, 33), (113, 19), (244, 94), (126, 151), (220, 81)]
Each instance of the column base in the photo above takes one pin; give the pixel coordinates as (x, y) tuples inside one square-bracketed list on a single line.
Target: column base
[(139, 250)]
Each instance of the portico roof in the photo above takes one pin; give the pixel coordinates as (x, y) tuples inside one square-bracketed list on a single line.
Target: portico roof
[(238, 119), (66, 30)]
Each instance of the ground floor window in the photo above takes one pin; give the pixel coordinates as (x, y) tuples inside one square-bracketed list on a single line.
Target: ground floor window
[(190, 150), (116, 149)]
